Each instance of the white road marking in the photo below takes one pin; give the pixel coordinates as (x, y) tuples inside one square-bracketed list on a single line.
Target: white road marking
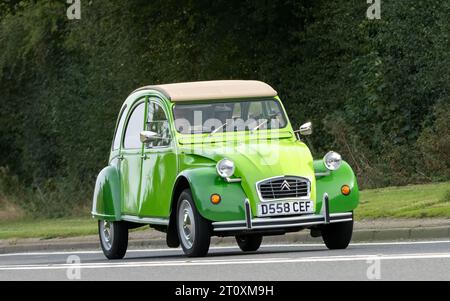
[(231, 247), (180, 263)]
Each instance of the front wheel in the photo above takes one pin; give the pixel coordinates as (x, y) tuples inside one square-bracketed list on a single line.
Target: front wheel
[(338, 235), (249, 243), (193, 230), (113, 238)]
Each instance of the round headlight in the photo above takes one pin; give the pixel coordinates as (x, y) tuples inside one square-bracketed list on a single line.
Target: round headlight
[(332, 160), (225, 168)]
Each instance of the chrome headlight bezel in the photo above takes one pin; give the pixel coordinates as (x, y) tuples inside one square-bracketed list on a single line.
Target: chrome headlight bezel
[(225, 168), (332, 161)]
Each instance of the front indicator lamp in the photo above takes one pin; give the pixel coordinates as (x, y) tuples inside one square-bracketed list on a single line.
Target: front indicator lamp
[(346, 190), (215, 199)]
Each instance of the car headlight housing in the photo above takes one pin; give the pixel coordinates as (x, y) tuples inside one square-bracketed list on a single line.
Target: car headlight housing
[(225, 168), (332, 160)]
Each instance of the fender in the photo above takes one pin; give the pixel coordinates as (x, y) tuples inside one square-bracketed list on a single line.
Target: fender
[(204, 182), (331, 182), (107, 195)]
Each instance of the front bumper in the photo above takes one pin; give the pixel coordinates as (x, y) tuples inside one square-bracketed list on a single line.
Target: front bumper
[(277, 223)]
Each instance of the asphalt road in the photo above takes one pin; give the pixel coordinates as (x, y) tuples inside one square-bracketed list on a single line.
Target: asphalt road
[(424, 260)]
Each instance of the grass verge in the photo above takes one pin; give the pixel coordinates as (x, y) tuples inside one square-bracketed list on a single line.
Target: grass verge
[(48, 228), (415, 201)]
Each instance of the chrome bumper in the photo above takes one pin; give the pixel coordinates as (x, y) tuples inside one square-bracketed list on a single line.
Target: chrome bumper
[(275, 223)]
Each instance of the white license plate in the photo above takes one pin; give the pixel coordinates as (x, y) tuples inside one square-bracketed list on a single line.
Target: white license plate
[(285, 208)]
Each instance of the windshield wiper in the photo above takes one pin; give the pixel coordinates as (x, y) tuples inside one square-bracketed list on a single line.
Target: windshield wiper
[(218, 129), (259, 126)]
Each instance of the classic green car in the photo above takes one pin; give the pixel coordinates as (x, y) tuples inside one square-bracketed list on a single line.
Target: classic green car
[(218, 158)]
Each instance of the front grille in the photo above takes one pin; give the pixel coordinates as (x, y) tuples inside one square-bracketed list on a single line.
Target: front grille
[(283, 187)]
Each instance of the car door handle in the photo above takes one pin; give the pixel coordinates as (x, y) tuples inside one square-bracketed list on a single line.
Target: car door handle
[(120, 157), (145, 157)]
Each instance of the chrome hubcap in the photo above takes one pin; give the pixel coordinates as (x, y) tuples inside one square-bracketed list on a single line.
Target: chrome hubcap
[(186, 224), (106, 231)]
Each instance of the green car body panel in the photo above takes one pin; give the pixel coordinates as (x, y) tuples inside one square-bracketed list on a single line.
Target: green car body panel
[(142, 183), (107, 195), (331, 184)]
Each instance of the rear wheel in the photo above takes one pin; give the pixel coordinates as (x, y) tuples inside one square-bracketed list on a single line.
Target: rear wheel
[(249, 243), (193, 230), (338, 235), (113, 238)]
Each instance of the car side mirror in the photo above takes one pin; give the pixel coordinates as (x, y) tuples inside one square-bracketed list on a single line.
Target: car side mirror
[(149, 136), (306, 129)]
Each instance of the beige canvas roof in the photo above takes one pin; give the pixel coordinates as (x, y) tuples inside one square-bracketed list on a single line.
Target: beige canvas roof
[(214, 90)]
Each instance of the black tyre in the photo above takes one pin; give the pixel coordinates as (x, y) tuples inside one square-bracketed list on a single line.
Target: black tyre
[(338, 235), (249, 243), (113, 238), (194, 231)]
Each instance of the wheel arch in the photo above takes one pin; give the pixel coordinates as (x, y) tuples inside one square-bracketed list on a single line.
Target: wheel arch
[(180, 185), (331, 183), (106, 204)]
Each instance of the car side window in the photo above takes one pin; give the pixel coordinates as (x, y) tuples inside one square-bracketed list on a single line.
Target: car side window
[(134, 128), (157, 122), (118, 133)]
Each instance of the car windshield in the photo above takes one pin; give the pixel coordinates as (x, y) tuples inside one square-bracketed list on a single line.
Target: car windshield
[(231, 116)]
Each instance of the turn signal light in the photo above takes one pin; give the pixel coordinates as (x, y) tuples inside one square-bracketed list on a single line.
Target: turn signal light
[(215, 199), (345, 190)]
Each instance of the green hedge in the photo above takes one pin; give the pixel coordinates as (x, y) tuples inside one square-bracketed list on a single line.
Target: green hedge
[(377, 91)]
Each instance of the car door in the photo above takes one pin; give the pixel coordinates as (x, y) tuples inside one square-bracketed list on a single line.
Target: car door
[(159, 167), (130, 157)]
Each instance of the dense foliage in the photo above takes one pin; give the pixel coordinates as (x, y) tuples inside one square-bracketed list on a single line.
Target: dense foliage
[(376, 90)]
